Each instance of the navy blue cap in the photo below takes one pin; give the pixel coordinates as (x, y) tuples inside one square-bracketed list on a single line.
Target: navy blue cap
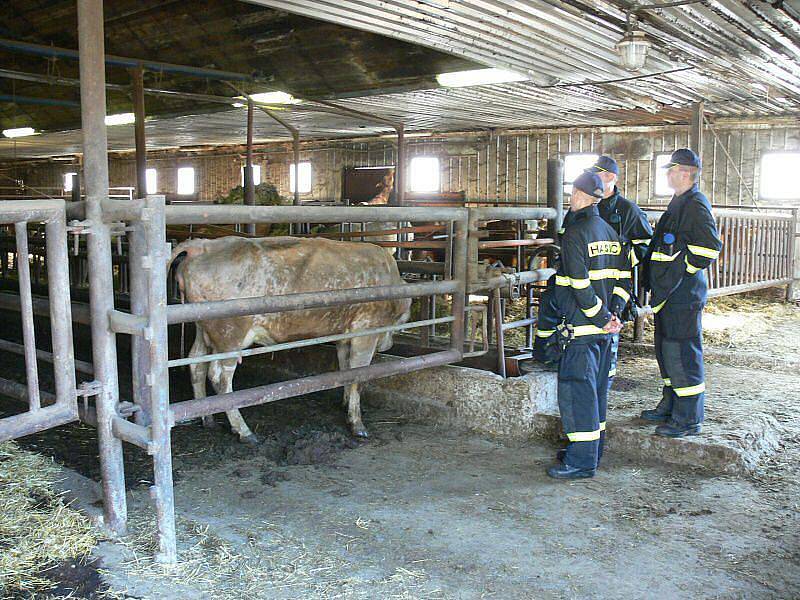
[(684, 157), (590, 183), (604, 164)]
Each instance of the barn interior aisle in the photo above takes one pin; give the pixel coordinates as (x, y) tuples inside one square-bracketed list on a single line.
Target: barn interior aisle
[(303, 299)]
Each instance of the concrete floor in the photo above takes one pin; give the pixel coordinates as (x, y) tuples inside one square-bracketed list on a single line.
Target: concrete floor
[(430, 511)]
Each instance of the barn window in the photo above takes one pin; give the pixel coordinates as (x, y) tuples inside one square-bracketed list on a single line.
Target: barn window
[(186, 181), (574, 165), (778, 174), (424, 174), (69, 179), (662, 187), (151, 181), (256, 174), (302, 175)]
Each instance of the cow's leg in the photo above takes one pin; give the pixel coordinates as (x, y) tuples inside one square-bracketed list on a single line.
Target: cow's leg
[(199, 372), (343, 354), (224, 385), (361, 352)]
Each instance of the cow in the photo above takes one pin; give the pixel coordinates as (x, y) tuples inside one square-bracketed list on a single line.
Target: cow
[(236, 267)]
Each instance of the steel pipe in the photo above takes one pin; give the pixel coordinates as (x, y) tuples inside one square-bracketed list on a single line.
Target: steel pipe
[(41, 307), (191, 409), (8, 346), (26, 304), (132, 433), (221, 215), (237, 307), (193, 360)]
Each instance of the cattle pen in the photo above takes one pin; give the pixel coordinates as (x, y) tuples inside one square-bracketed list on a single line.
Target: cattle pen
[(96, 318)]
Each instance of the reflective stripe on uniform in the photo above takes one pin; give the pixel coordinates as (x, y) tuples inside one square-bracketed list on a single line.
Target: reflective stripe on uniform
[(667, 382), (600, 274), (579, 284), (581, 330), (690, 391), (623, 274), (690, 268), (641, 241), (703, 251), (603, 426), (590, 312), (561, 231), (561, 280), (633, 258), (659, 307), (661, 257), (622, 293), (584, 436), (612, 372), (545, 333)]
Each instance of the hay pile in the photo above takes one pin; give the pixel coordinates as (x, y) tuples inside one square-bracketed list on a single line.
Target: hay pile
[(37, 530)]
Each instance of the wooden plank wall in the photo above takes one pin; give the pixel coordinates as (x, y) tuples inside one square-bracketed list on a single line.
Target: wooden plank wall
[(489, 167)]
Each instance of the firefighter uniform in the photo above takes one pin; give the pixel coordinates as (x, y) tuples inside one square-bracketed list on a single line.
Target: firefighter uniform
[(684, 244), (631, 225), (592, 281)]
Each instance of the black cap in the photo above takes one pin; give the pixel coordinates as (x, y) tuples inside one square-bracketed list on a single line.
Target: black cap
[(590, 183), (605, 164), (684, 157)]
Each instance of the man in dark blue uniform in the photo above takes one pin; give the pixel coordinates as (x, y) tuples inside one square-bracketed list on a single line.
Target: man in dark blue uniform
[(684, 244), (630, 223), (591, 284)]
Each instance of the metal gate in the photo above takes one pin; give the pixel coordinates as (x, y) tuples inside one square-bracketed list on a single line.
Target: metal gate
[(45, 410)]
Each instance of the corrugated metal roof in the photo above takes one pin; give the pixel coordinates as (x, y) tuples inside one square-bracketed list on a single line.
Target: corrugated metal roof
[(741, 57)]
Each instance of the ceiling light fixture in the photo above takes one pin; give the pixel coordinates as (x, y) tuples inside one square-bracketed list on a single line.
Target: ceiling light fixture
[(274, 98), (120, 119), (19, 132), (478, 77), (634, 46)]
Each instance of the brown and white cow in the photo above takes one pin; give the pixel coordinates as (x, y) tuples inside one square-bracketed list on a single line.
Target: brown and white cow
[(235, 267)]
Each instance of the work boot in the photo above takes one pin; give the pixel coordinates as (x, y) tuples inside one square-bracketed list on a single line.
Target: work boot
[(564, 471), (654, 414), (561, 455), (674, 430)]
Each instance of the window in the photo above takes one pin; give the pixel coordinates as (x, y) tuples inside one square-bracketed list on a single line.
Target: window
[(256, 174), (186, 181), (304, 178), (574, 165), (662, 187), (424, 174), (777, 177), (151, 181), (69, 179)]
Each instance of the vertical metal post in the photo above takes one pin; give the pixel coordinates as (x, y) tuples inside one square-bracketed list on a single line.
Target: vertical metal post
[(26, 306), (137, 85), (555, 194), (400, 168), (296, 155), (162, 490), (793, 266), (249, 183), (101, 288), (60, 308), (76, 187), (140, 347), (460, 275), (696, 128), (497, 304)]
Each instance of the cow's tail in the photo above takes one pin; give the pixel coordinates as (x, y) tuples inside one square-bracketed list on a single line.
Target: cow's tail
[(180, 253)]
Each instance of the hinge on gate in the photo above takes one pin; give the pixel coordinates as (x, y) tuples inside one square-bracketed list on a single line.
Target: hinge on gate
[(78, 228)]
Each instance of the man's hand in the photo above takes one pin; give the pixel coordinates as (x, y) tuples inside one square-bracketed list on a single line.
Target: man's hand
[(613, 326)]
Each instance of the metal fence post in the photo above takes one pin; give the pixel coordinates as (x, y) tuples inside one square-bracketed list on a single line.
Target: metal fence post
[(158, 380), (101, 287), (794, 267), (140, 347)]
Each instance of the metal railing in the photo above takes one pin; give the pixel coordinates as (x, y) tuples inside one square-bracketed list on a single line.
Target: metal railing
[(44, 410)]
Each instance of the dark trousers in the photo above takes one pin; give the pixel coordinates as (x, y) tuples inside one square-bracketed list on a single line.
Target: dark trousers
[(679, 352), (582, 399)]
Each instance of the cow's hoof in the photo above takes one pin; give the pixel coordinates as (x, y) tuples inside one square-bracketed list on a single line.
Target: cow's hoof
[(251, 440)]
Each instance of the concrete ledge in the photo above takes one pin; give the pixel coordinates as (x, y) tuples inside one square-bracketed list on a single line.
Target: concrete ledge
[(716, 451)]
